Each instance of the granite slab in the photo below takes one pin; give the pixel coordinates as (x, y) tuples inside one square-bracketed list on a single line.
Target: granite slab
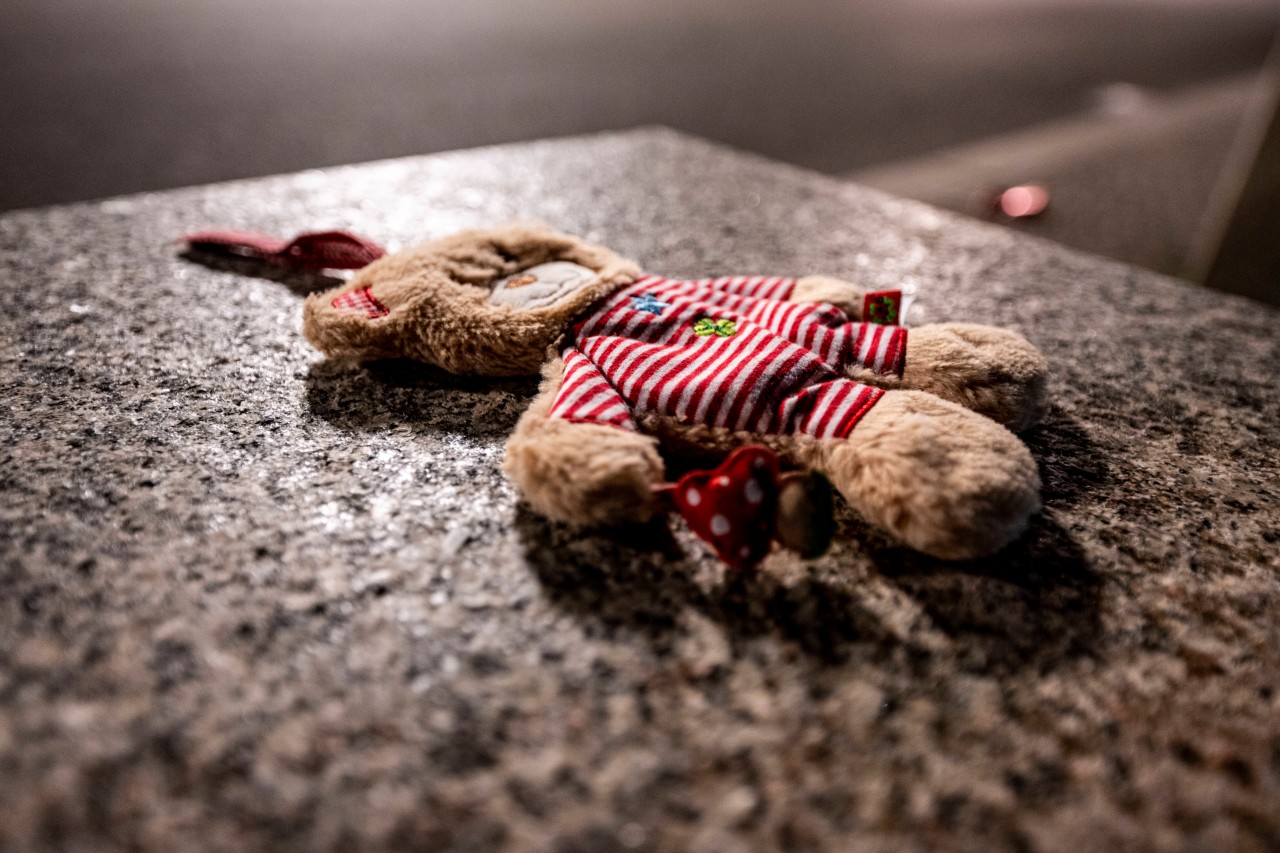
[(251, 599)]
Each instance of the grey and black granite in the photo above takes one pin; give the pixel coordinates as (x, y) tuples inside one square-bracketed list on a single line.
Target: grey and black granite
[(252, 600)]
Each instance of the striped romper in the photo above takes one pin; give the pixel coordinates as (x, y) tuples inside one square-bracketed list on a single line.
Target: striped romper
[(725, 352)]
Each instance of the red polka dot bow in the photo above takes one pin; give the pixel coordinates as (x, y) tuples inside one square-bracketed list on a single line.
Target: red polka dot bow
[(746, 503), (734, 507)]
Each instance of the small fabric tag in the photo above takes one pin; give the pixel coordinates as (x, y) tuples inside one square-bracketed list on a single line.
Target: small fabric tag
[(362, 301), (883, 307), (541, 285)]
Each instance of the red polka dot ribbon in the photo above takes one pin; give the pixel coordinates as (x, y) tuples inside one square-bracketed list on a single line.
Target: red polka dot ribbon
[(733, 507)]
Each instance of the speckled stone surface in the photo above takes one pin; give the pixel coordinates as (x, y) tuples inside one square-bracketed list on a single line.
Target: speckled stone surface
[(253, 600)]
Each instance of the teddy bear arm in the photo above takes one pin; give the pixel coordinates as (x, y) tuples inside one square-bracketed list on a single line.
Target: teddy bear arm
[(846, 296), (995, 372), (582, 473)]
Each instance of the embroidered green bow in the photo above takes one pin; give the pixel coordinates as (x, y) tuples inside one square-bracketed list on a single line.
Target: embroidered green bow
[(707, 326)]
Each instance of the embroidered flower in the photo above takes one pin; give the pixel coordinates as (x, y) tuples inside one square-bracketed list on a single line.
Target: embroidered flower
[(707, 326), (882, 310), (649, 302)]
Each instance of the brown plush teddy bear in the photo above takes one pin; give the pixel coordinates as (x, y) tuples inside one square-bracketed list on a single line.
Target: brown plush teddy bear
[(911, 426)]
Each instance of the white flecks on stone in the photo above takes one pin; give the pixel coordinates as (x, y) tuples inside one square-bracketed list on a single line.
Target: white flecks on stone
[(348, 678), (632, 835), (454, 540)]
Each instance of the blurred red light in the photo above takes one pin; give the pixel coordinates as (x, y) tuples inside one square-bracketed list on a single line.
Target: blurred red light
[(1024, 200)]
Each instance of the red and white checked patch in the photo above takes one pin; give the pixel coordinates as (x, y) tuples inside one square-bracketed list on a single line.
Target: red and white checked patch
[(361, 301)]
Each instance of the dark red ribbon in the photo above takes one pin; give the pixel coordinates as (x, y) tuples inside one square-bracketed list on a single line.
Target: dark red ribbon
[(317, 250)]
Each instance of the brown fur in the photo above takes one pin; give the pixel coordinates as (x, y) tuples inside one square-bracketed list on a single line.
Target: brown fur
[(822, 288), (938, 477), (994, 372), (584, 474), (699, 444), (438, 296)]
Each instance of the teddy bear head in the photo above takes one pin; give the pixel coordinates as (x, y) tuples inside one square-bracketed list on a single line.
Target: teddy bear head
[(483, 302)]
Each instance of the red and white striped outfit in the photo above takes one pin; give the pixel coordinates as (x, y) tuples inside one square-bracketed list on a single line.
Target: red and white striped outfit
[(755, 362)]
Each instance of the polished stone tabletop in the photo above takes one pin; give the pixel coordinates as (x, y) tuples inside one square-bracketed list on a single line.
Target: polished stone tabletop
[(253, 599)]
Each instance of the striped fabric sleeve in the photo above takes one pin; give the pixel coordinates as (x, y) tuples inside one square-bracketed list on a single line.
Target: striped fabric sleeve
[(585, 396), (827, 410), (882, 349)]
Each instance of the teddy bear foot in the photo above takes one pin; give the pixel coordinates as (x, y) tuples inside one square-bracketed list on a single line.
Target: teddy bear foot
[(937, 477), (584, 475)]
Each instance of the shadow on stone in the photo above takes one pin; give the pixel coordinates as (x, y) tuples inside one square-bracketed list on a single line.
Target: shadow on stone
[(1071, 464), (298, 281), (827, 621), (382, 394), (638, 578), (1034, 604)]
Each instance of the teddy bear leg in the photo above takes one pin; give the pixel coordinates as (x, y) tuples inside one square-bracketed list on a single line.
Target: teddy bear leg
[(937, 477), (584, 474)]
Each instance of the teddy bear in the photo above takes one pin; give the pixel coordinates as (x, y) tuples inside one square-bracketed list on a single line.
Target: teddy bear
[(774, 377)]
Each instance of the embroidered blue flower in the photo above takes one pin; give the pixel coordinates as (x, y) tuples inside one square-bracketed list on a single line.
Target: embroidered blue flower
[(649, 302)]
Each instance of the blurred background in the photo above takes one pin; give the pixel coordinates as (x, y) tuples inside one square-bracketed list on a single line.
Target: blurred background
[(1144, 118)]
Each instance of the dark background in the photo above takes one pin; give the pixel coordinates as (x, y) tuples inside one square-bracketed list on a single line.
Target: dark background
[(106, 98)]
